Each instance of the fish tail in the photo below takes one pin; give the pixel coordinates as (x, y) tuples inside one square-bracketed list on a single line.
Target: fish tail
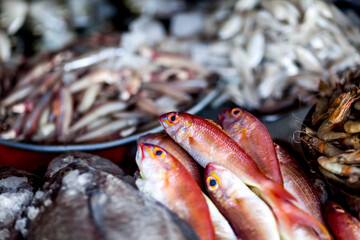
[(287, 214), (295, 217)]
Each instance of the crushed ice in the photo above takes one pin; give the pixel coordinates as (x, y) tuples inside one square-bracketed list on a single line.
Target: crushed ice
[(12, 182)]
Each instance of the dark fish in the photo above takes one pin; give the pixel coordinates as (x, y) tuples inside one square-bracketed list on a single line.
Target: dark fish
[(93, 161), (17, 189), (80, 201)]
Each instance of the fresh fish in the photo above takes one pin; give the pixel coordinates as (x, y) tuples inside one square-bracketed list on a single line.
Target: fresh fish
[(342, 224), (207, 143), (223, 230), (248, 215), (17, 190), (168, 181), (81, 202), (297, 183), (163, 140), (254, 138)]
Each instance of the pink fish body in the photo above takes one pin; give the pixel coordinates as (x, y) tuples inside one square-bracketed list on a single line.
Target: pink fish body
[(254, 138)]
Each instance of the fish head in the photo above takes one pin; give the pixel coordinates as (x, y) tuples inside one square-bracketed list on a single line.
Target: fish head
[(153, 138), (152, 161), (230, 116), (177, 124), (218, 181)]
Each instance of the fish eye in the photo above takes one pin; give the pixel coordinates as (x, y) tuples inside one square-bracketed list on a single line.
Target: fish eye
[(212, 183), (235, 112), (159, 152), (173, 118), (338, 208)]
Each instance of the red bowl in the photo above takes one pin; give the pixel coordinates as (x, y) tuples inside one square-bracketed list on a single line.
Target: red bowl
[(30, 160)]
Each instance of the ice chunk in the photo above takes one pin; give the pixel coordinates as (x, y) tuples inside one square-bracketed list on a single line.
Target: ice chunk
[(75, 182), (32, 212), (20, 225), (12, 182), (13, 204), (4, 234)]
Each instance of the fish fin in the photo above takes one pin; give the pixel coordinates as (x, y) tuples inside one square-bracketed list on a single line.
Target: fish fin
[(96, 204), (217, 125), (295, 216), (275, 189), (214, 123)]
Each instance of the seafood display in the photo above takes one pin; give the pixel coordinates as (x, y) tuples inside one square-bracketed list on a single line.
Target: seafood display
[(103, 94), (235, 182), (94, 75), (331, 134)]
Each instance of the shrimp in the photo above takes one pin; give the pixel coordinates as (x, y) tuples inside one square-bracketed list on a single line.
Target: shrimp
[(353, 142), (352, 157), (321, 146), (325, 131), (338, 168)]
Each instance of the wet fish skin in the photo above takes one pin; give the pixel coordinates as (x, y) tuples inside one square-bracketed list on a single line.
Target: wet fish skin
[(93, 161), (342, 224), (297, 183), (247, 214), (161, 139), (207, 142), (168, 181), (254, 138), (81, 202)]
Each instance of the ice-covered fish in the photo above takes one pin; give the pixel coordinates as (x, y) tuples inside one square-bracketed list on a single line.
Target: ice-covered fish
[(16, 193), (81, 202)]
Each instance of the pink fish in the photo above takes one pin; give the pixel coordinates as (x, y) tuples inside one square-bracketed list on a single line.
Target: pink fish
[(254, 138)]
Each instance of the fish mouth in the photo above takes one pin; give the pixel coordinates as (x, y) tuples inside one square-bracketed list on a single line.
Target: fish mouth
[(140, 154), (221, 117), (163, 120)]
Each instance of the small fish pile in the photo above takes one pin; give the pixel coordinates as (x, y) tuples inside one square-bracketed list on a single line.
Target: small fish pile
[(332, 133), (98, 95), (29, 27), (274, 50), (258, 189)]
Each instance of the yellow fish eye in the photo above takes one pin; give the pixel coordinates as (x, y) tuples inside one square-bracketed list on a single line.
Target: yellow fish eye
[(235, 112), (212, 183), (173, 118), (158, 152)]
